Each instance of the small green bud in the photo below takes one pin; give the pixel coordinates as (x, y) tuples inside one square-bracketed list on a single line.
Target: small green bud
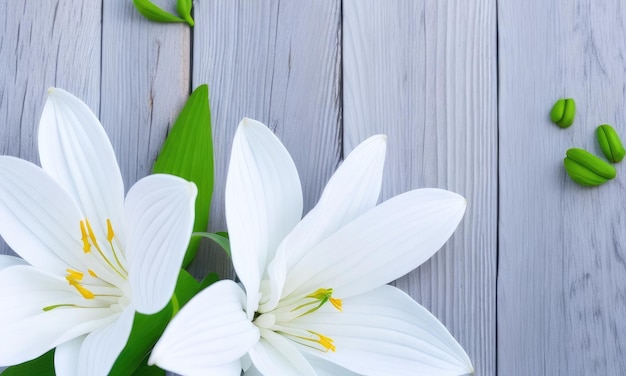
[(183, 7), (586, 169), (563, 112), (610, 143), (152, 12)]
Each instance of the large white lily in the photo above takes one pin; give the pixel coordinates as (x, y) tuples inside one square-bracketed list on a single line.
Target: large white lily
[(315, 299), (90, 258)]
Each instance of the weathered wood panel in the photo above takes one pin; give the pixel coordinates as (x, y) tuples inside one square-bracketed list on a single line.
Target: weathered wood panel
[(145, 82), (277, 62), (44, 44), (424, 73), (562, 269)]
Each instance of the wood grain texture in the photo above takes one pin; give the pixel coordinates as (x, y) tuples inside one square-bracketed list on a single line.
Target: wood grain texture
[(277, 62), (44, 44), (424, 73), (562, 260), (145, 82)]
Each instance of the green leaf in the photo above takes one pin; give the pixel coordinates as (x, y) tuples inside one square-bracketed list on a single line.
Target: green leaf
[(210, 279), (186, 288), (42, 366), (154, 13), (221, 238), (145, 332), (188, 153), (146, 370), (183, 7)]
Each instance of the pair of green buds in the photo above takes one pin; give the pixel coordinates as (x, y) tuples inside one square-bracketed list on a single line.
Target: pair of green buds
[(154, 13), (583, 167)]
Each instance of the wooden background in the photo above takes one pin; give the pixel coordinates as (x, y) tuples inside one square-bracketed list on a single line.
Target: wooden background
[(534, 280)]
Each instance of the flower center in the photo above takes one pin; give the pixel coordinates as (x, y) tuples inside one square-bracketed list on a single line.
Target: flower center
[(284, 319), (98, 291)]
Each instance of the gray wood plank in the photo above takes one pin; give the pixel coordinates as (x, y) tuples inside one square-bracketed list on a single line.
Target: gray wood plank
[(43, 44), (277, 62), (562, 269), (424, 73), (145, 82)]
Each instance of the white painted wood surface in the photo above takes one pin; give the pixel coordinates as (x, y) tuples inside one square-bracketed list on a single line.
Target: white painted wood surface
[(562, 269), (424, 73), (451, 92)]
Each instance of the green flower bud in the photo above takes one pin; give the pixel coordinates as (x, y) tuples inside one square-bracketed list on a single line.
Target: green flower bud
[(563, 112), (610, 143), (586, 169)]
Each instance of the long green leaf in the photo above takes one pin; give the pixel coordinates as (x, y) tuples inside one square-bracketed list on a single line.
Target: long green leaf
[(42, 366), (188, 153), (221, 238), (154, 13), (210, 279)]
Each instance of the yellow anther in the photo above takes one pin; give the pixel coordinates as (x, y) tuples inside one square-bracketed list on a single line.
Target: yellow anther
[(75, 274), (337, 303), (326, 342), (92, 236), (92, 273), (320, 297), (110, 233), (81, 289), (321, 294), (84, 238)]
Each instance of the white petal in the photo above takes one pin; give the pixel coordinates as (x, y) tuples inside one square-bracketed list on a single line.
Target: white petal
[(379, 246), (66, 357), (263, 202), (159, 218), (275, 355), (6, 261), (228, 369), (210, 332), (75, 150), (325, 368), (385, 332), (38, 219), (26, 330), (350, 192), (102, 347)]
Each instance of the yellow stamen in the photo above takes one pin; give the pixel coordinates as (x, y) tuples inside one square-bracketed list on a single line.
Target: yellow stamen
[(81, 289), (92, 273), (75, 274), (324, 341), (110, 236), (320, 296), (92, 236), (84, 238), (110, 233), (327, 342), (337, 303)]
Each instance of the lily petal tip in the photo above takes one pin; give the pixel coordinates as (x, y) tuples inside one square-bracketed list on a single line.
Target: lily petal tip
[(193, 190), (246, 122), (151, 360)]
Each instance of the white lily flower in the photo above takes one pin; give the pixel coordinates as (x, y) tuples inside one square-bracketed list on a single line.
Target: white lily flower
[(90, 257), (315, 299)]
